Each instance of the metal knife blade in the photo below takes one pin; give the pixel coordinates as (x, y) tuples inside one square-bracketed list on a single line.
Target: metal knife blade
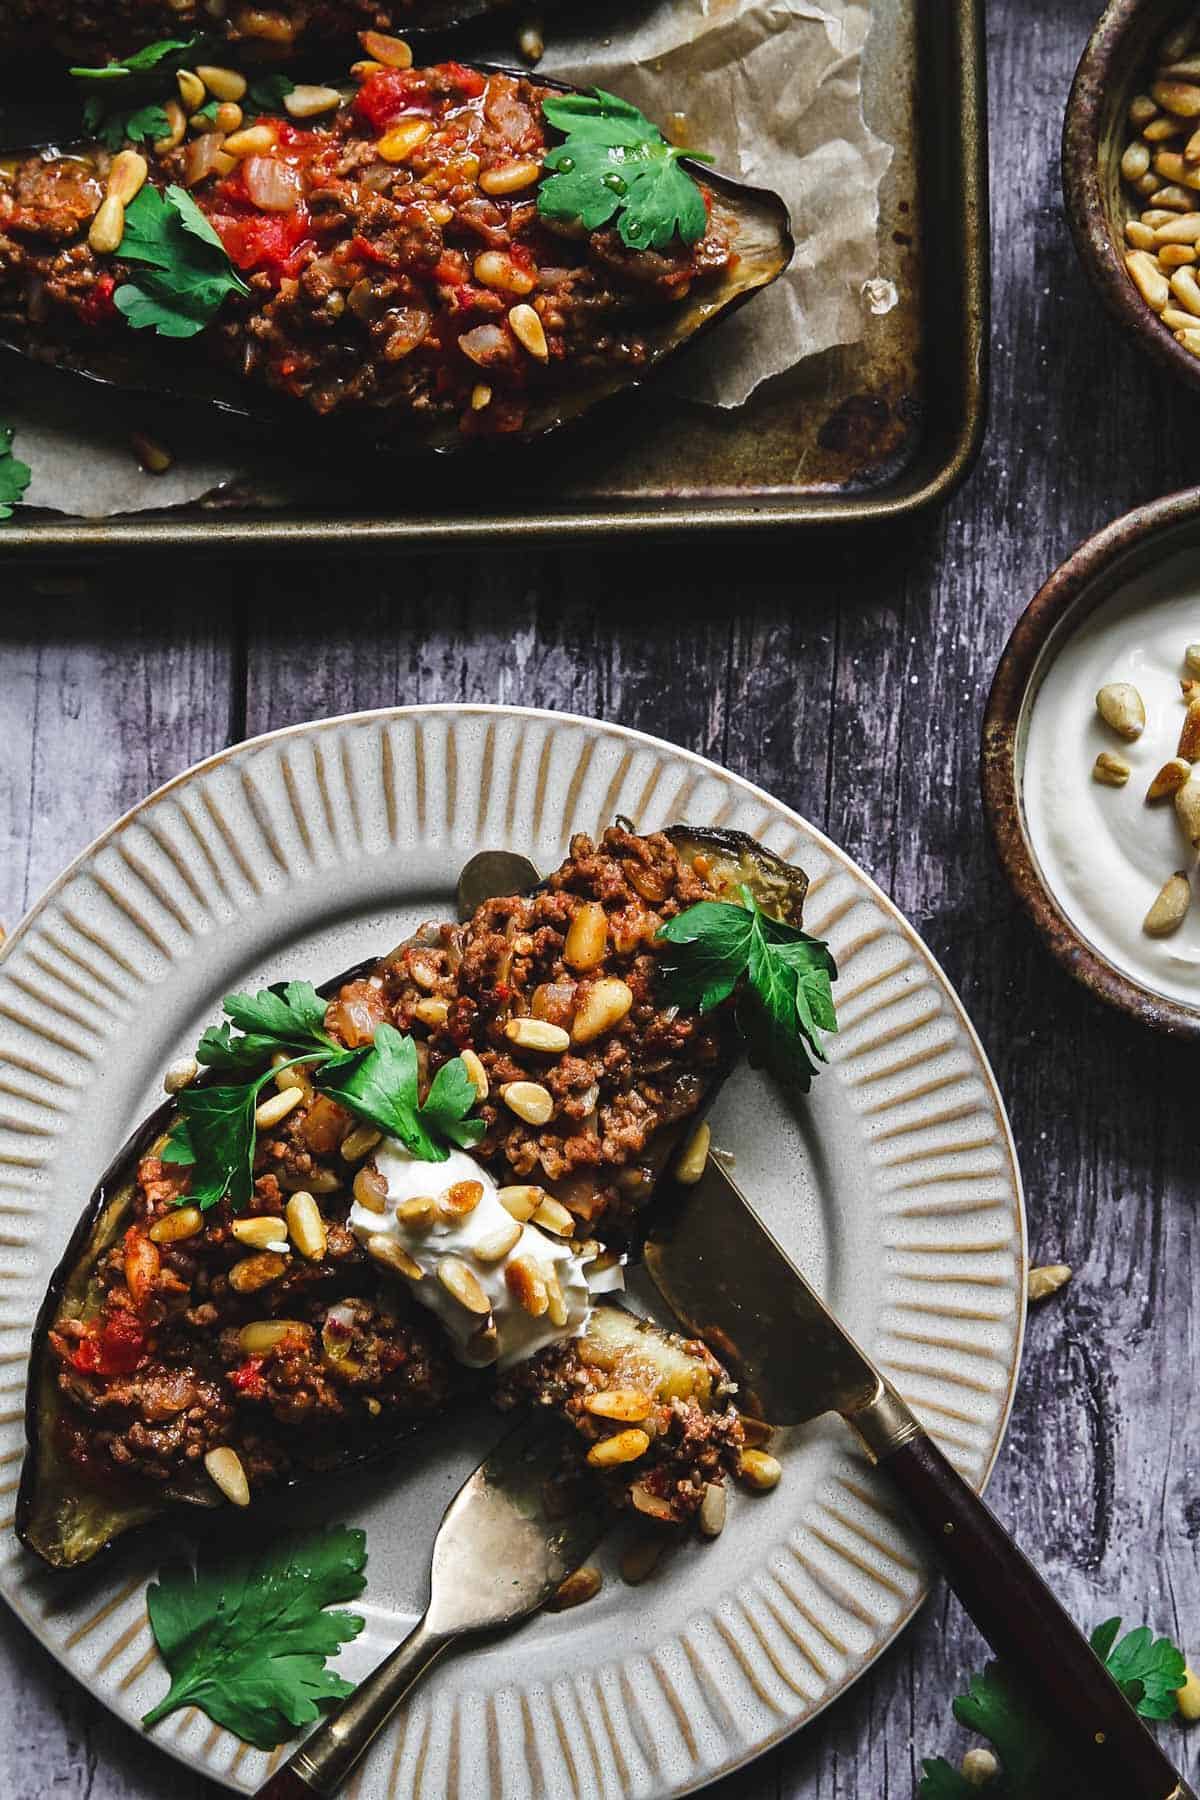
[(723, 1273)]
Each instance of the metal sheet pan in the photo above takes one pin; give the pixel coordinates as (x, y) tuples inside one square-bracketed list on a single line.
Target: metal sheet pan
[(877, 431)]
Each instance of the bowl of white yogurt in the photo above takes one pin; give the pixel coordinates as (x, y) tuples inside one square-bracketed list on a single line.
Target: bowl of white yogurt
[(1085, 858)]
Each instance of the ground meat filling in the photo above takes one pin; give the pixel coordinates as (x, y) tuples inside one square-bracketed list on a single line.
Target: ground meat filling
[(108, 29), (205, 1339), (394, 252)]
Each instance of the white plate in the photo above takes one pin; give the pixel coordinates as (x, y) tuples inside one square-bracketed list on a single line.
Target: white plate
[(896, 1187)]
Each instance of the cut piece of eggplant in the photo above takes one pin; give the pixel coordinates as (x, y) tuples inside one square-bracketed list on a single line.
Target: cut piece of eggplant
[(69, 1510), (345, 367)]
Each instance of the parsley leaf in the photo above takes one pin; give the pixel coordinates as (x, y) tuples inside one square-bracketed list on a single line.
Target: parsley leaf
[(187, 274), (379, 1084), (615, 162), (246, 1639), (215, 1134), (148, 57), (288, 1016), (1147, 1670), (115, 127), (15, 475), (266, 95), (781, 975)]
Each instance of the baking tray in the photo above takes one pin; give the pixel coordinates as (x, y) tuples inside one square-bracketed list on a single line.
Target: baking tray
[(880, 430)]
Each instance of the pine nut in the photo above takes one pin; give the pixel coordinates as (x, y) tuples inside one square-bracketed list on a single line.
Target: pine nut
[(1179, 230), (182, 1222), (1178, 42), (979, 1767), (317, 1181), (524, 1281), (306, 1227), (496, 270), (1179, 97), (556, 1306), (276, 1109), (756, 1433), (180, 1074), (1188, 1697), (537, 1034), (1135, 161), (531, 44), (629, 1406), (398, 144), (1047, 1280), (651, 1504), (222, 84), (1148, 279), (263, 1233), (580, 1586), (108, 227), (433, 1013), (1186, 290), (1173, 199), (459, 1281), (477, 1072), (127, 175), (392, 52), (308, 102), (289, 1074), (262, 1335), (497, 1244), (1172, 257), (521, 1202), (224, 1469), (1187, 808), (1169, 164), (1170, 906), (1190, 339), (587, 937), (1157, 218), (529, 1100), (481, 393), (255, 140), (759, 1470), (1170, 778), (642, 1557), (364, 67), (1141, 110), (267, 26), (387, 1251), (1189, 736), (359, 1143), (552, 1216), (711, 1519), (1142, 237), (191, 90), (460, 1199), (529, 332), (229, 116), (510, 178), (1110, 770), (693, 1158), (1120, 706), (418, 1213), (254, 1272), (371, 1190), (1178, 321), (177, 120), (603, 1005), (622, 1447)]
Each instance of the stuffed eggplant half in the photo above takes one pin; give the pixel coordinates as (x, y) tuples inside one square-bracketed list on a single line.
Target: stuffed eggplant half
[(435, 255), (376, 1205)]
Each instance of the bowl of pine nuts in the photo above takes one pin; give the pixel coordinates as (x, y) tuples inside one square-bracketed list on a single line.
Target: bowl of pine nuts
[(1131, 173)]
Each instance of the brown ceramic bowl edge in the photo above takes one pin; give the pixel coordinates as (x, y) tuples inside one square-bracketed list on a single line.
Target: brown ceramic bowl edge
[(1102, 77), (1058, 597)]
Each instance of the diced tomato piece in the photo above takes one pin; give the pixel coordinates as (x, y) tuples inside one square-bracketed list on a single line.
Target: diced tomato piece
[(468, 81), (99, 308), (386, 94), (114, 1348), (248, 1378), (271, 241)]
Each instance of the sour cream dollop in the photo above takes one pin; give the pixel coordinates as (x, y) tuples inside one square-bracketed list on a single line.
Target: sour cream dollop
[(520, 1333)]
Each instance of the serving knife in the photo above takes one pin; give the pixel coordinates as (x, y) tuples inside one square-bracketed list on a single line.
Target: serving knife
[(728, 1280), (497, 1558)]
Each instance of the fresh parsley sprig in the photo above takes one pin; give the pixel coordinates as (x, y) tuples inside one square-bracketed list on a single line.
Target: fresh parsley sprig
[(117, 108), (139, 61), (186, 273), (616, 164), (1148, 1670), (781, 977), (15, 475), (246, 1638), (215, 1132)]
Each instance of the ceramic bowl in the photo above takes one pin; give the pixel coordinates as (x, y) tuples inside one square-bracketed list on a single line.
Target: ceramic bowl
[(1113, 68), (1131, 547)]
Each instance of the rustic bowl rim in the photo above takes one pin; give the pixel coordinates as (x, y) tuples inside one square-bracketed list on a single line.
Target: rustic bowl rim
[(1077, 586), (1104, 68)]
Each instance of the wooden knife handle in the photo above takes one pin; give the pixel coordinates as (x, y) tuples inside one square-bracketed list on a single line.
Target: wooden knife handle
[(1030, 1632), (285, 1785)]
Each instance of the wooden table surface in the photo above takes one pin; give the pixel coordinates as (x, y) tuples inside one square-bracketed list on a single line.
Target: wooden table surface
[(851, 683)]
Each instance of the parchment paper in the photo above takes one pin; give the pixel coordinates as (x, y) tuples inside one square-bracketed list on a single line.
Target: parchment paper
[(771, 89)]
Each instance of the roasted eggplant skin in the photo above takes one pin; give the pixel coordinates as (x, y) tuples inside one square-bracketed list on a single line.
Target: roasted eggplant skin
[(286, 357), (67, 1522)]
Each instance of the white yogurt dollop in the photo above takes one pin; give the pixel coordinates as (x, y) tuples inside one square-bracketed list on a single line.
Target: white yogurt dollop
[(1104, 852), (520, 1334)]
